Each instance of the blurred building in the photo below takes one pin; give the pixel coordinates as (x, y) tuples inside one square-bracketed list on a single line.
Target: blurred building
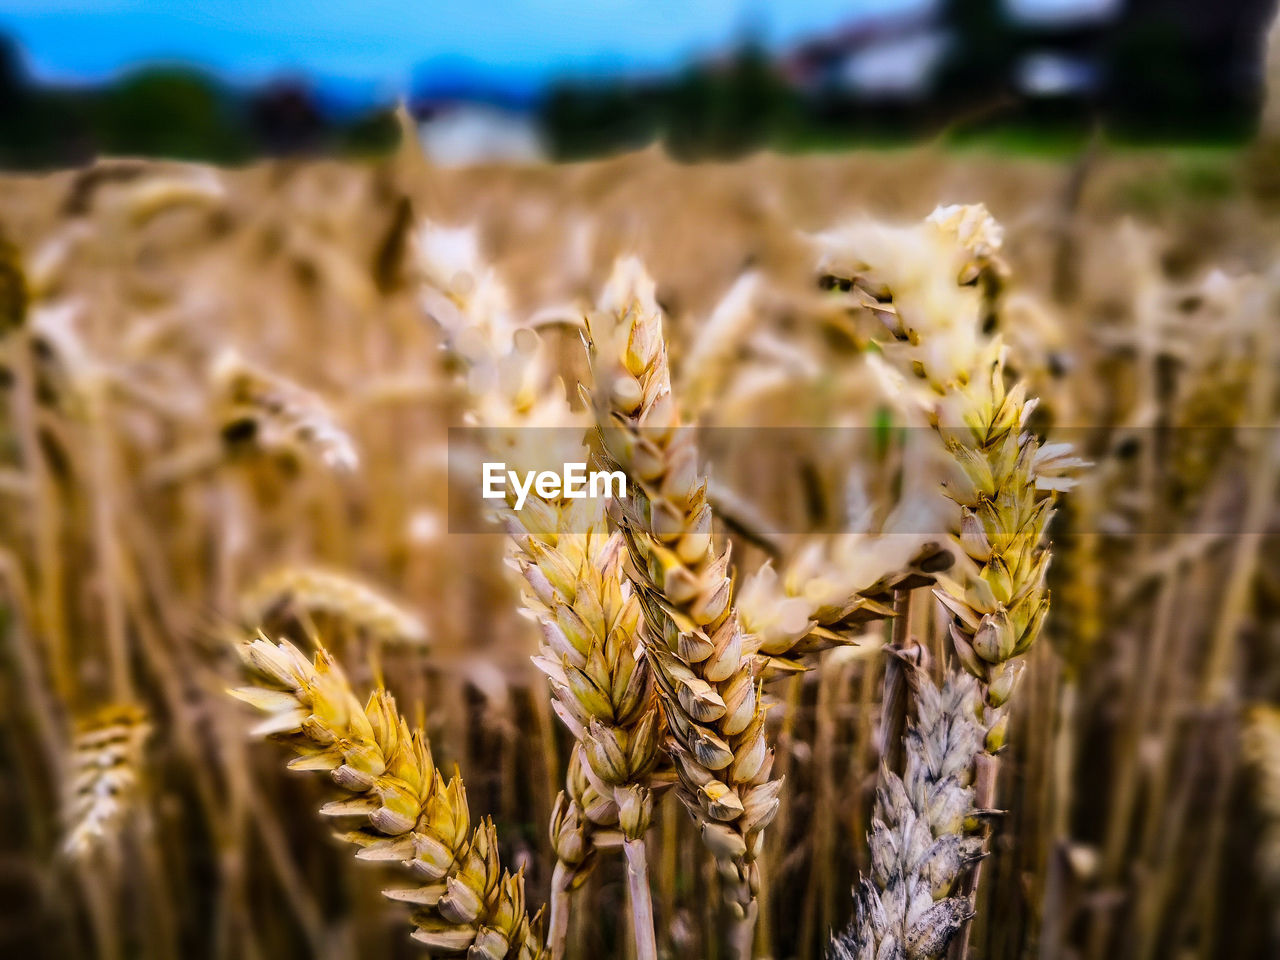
[(461, 134), (1155, 56), (894, 57)]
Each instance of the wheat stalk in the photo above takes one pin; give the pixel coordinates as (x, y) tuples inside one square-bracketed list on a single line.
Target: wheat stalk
[(14, 292), (1007, 480), (701, 657), (106, 764), (601, 688), (465, 900), (937, 306), (604, 693), (1262, 750), (574, 583), (906, 908)]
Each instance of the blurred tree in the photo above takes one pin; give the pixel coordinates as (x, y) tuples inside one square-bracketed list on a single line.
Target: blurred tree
[(982, 50), (728, 110), (372, 134), (1183, 69), (582, 120), (38, 128), (285, 119), (172, 113)]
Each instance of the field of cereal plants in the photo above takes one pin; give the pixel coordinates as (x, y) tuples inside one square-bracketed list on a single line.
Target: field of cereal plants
[(963, 642)]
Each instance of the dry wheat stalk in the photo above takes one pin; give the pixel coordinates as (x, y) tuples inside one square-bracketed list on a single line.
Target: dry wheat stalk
[(701, 657), (314, 590), (1262, 750), (465, 901), (14, 294), (265, 409), (906, 909), (106, 762)]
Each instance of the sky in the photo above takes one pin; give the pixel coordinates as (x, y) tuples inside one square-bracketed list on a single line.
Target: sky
[(384, 44), (383, 41)]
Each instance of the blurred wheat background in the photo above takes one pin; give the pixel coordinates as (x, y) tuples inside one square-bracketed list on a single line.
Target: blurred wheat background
[(226, 407)]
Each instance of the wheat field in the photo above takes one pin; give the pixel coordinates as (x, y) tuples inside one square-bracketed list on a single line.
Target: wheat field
[(980, 657)]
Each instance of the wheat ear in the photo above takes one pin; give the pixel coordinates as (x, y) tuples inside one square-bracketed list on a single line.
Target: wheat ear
[(270, 412), (700, 655), (574, 586), (906, 908), (465, 901), (830, 591), (1006, 481), (604, 693), (106, 762), (315, 590), (602, 690)]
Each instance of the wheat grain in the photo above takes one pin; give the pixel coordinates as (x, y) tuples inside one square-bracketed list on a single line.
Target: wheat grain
[(465, 901), (581, 818)]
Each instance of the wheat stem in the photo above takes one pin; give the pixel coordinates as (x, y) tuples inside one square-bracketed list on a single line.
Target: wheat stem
[(894, 706), (641, 898), (742, 934), (1261, 736), (986, 775), (558, 925)]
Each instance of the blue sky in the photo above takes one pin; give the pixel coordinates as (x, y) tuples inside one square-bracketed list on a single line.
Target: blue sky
[(376, 48), (380, 42)]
